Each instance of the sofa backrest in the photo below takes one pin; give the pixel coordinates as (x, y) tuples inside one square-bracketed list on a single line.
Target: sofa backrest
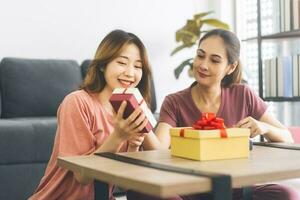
[(84, 68), (36, 87), (0, 102)]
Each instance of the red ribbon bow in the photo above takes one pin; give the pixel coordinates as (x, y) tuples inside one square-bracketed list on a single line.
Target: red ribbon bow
[(209, 121)]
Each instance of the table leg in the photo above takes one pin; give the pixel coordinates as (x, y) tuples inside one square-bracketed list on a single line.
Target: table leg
[(101, 190), (247, 193), (221, 188)]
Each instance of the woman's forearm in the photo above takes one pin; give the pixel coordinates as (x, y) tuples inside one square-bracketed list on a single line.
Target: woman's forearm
[(111, 144), (276, 134), (151, 142)]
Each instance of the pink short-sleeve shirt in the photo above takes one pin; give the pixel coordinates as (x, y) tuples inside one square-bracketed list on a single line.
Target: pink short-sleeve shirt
[(82, 127)]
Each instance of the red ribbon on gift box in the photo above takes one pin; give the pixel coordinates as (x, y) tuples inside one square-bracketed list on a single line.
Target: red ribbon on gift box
[(208, 121)]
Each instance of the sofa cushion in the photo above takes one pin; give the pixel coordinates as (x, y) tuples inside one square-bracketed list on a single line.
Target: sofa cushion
[(19, 181), (27, 140), (32, 87)]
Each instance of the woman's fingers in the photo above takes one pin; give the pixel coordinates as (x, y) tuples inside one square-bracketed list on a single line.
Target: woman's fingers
[(139, 128), (142, 135), (251, 124), (135, 123), (121, 110), (134, 115), (255, 126), (138, 121), (242, 122), (246, 125), (254, 132), (136, 140)]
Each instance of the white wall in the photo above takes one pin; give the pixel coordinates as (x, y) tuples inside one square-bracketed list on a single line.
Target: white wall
[(72, 29)]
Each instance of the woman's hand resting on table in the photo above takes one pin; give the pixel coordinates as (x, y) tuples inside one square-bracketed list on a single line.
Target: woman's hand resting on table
[(256, 127)]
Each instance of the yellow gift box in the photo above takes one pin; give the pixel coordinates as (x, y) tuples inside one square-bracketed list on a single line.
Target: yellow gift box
[(204, 145)]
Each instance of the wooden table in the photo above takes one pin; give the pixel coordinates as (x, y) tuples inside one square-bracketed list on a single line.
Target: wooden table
[(265, 164)]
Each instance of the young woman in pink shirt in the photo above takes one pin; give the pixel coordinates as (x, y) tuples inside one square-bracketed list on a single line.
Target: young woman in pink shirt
[(87, 122)]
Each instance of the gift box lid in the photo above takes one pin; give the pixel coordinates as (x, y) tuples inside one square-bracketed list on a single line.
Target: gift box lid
[(134, 99), (134, 91), (189, 132)]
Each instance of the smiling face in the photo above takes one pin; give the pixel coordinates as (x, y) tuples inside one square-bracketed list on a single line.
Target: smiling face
[(211, 62), (125, 70)]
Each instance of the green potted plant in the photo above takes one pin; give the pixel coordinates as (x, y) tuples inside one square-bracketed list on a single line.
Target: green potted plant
[(189, 35)]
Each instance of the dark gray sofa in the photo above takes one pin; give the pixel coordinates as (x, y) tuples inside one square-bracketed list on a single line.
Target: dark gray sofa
[(30, 93)]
